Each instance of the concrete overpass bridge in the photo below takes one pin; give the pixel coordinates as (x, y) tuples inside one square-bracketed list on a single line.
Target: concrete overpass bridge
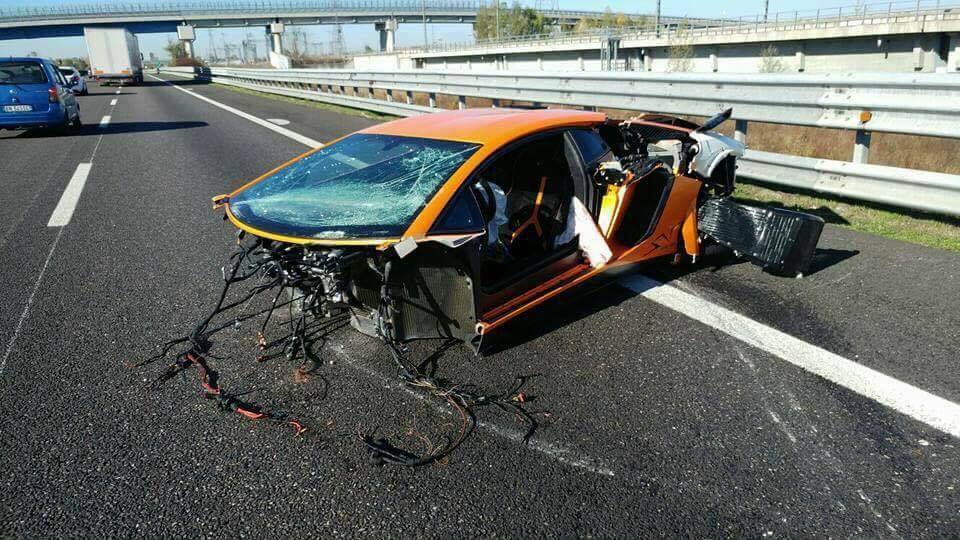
[(60, 21)]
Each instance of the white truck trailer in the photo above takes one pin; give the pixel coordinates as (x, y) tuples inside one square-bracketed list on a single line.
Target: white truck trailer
[(114, 55)]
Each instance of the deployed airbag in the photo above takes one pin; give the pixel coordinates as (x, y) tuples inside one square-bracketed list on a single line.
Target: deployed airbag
[(581, 225)]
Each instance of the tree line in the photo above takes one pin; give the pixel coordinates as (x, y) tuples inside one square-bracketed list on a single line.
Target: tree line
[(516, 20)]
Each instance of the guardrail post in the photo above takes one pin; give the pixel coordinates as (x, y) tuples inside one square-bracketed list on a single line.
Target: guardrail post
[(461, 102), (390, 94), (740, 131), (409, 97), (861, 150), (495, 102), (432, 96)]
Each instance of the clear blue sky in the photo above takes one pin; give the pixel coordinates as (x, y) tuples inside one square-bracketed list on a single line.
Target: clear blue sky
[(356, 36)]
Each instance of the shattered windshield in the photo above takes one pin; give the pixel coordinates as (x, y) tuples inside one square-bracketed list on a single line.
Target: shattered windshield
[(362, 186)]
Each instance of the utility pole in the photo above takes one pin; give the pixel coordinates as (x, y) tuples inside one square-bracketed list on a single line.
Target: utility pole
[(423, 11), (498, 20), (656, 22), (766, 9)]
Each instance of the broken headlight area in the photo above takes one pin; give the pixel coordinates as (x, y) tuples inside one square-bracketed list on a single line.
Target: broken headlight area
[(297, 295)]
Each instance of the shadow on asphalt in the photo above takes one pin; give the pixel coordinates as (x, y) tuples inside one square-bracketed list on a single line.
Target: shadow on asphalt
[(177, 82), (112, 129), (825, 258), (605, 293), (579, 303), (109, 94)]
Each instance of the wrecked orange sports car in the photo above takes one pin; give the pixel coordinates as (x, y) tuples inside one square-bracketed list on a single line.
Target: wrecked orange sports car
[(451, 224)]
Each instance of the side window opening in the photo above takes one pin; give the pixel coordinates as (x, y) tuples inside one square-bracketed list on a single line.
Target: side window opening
[(462, 215), (531, 185), (593, 148)]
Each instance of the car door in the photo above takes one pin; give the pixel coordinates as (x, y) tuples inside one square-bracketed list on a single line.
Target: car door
[(526, 193), (66, 96)]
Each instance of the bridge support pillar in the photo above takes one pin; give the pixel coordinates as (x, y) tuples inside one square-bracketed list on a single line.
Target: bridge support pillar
[(388, 34), (186, 34), (277, 58), (953, 57), (276, 37)]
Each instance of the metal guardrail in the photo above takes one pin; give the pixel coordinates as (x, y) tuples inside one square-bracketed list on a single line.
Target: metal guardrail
[(919, 104)]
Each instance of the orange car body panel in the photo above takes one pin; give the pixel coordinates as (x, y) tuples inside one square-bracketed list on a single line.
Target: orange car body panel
[(492, 129)]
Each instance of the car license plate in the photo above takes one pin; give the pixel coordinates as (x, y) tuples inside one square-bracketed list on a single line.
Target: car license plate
[(17, 108)]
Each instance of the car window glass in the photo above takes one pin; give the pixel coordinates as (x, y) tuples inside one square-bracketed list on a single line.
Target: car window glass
[(22, 73), (462, 215), (592, 147), (363, 186)]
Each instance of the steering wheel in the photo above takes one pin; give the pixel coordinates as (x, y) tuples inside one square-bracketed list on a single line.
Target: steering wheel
[(531, 210)]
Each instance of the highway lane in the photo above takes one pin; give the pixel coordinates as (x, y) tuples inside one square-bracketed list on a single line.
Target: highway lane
[(658, 424)]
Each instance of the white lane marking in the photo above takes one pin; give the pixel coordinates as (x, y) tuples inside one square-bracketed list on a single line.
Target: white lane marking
[(898, 395), (279, 121), (905, 398), (26, 309), (255, 119), (105, 121), (113, 102), (557, 452), (71, 196)]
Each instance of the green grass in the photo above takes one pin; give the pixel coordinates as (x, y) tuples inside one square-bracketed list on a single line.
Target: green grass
[(918, 228), (308, 103)]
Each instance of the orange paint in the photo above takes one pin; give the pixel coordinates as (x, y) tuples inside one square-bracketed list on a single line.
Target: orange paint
[(494, 128)]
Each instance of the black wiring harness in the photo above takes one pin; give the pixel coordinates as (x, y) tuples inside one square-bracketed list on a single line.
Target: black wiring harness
[(314, 281)]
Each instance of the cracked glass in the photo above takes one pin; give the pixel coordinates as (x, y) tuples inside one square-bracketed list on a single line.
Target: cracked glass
[(362, 186)]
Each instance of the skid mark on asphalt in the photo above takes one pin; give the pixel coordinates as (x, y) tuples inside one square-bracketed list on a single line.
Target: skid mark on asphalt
[(556, 452), (60, 218), (26, 309), (810, 444), (907, 399), (898, 395)]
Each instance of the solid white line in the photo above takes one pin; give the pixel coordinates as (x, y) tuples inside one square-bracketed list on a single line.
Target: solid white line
[(26, 309), (113, 102), (556, 452), (71, 196), (898, 395), (256, 120), (105, 121)]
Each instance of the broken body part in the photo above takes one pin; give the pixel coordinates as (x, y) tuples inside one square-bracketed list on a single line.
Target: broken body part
[(417, 238)]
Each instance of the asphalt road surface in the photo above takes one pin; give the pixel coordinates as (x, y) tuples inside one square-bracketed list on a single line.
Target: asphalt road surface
[(657, 423)]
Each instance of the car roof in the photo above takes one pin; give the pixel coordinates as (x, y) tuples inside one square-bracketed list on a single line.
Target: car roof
[(486, 125), (22, 59)]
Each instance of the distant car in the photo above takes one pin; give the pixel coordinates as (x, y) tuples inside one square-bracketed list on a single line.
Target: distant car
[(33, 94), (449, 225), (75, 79)]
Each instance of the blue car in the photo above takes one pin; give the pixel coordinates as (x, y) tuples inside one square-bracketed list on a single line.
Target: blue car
[(33, 94)]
